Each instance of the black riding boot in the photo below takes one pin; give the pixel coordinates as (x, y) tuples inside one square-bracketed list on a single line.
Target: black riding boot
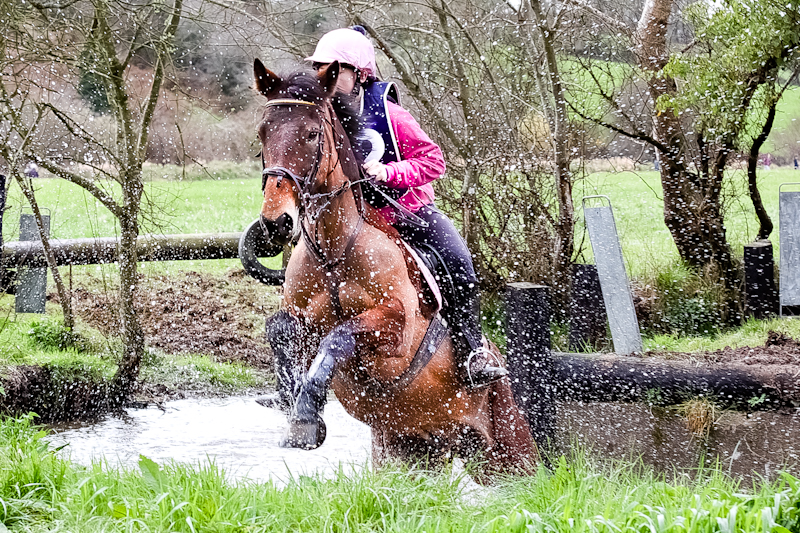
[(282, 331), (472, 358)]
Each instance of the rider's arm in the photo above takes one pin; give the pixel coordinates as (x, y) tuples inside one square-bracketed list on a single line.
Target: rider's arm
[(421, 158)]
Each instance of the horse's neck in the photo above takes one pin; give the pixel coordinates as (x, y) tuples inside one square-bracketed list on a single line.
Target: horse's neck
[(340, 218), (337, 223)]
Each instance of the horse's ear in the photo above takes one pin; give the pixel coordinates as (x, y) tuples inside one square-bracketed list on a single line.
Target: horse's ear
[(328, 76), (267, 82)]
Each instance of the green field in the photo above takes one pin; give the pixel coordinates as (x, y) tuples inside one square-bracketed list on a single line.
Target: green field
[(41, 491), (226, 197), (223, 199), (636, 198), (219, 198)]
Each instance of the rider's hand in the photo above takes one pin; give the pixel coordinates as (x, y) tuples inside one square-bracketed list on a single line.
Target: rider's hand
[(376, 169)]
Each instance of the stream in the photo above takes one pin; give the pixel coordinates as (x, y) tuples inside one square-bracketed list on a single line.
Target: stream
[(235, 433)]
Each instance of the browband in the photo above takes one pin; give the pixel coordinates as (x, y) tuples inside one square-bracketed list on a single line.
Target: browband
[(288, 101)]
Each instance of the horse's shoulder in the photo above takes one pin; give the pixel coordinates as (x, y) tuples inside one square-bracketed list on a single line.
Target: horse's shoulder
[(375, 219)]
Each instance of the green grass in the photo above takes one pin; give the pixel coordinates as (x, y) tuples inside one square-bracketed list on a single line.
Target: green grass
[(41, 491), (19, 345), (783, 138), (217, 198), (198, 372), (220, 198), (27, 339), (752, 333), (638, 206)]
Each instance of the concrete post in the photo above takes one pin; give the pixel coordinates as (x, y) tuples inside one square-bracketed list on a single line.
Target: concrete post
[(31, 291)]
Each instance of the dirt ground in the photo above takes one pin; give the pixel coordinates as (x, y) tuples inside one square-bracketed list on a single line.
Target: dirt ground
[(222, 316)]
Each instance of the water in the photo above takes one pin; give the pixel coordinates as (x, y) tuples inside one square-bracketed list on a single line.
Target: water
[(235, 432)]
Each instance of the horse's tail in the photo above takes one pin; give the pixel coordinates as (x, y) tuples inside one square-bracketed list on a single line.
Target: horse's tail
[(514, 450)]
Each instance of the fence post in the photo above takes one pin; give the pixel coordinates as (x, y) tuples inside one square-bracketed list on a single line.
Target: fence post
[(613, 277), (789, 227), (587, 312), (530, 362), (760, 293), (31, 290)]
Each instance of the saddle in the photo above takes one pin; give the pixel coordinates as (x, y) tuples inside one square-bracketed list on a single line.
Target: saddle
[(438, 281)]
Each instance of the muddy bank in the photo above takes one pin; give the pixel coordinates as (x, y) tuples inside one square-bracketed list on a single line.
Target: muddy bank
[(748, 446), (55, 394), (220, 316), (217, 316), (67, 394)]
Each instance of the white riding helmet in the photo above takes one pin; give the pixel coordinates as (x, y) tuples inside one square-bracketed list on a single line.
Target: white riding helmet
[(347, 46)]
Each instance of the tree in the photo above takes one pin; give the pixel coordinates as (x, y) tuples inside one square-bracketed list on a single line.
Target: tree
[(731, 81), (46, 49), (695, 107)]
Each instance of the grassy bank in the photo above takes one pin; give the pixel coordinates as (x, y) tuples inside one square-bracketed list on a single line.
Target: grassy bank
[(63, 375), (41, 491)]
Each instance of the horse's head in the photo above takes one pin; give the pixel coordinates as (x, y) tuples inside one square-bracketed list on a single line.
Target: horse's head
[(293, 148)]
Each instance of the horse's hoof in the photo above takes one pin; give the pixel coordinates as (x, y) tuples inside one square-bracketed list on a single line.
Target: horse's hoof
[(304, 435)]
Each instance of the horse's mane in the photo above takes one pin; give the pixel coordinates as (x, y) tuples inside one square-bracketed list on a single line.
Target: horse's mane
[(304, 85)]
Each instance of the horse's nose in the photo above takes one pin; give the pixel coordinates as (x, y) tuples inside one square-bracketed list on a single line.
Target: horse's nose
[(278, 231), (284, 226)]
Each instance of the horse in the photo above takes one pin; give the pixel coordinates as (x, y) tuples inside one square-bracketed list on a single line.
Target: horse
[(355, 316)]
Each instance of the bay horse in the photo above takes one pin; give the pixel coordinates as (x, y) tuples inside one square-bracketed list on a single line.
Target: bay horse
[(354, 316)]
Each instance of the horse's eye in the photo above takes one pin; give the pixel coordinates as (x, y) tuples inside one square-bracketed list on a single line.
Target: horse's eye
[(312, 135)]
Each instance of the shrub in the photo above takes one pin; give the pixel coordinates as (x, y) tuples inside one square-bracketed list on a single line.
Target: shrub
[(52, 335), (685, 301)]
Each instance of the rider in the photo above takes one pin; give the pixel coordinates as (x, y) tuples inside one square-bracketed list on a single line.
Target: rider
[(404, 158)]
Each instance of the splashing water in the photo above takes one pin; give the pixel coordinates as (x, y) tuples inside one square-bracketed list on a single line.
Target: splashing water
[(234, 432)]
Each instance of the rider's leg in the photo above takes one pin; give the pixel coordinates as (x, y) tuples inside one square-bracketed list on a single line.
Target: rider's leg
[(282, 331), (462, 311)]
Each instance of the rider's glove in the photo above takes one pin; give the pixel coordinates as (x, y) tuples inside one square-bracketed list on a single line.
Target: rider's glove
[(376, 169)]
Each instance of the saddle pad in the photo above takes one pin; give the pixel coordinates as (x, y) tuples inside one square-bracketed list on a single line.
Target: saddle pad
[(427, 276)]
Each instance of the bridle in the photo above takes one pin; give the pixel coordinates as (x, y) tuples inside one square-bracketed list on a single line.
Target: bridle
[(307, 199), (303, 183)]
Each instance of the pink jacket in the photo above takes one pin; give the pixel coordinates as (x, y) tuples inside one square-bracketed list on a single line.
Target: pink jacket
[(421, 163)]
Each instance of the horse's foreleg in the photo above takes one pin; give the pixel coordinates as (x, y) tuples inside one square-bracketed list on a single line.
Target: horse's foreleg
[(306, 427), (283, 332)]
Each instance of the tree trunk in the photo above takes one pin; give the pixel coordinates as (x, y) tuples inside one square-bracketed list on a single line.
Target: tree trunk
[(764, 221), (692, 210), (132, 335), (63, 295), (565, 227), (469, 209)]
